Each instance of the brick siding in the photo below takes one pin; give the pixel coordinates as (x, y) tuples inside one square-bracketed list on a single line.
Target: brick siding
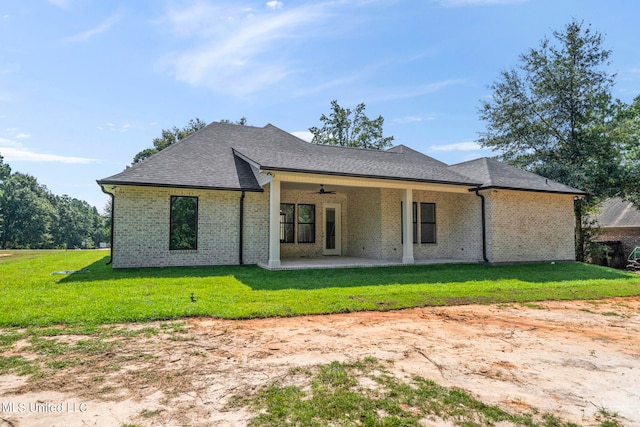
[(521, 226), (141, 231), (529, 226)]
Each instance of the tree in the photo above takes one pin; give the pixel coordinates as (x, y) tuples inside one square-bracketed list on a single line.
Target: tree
[(27, 213), (552, 115), (169, 137), (5, 170), (241, 122), (357, 131), (76, 224), (626, 131)]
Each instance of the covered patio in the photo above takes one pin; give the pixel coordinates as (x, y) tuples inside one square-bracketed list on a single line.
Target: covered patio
[(364, 222), (327, 262)]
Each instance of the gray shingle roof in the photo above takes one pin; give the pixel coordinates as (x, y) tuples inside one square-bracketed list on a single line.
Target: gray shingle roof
[(494, 174), (219, 156), (206, 159), (616, 212)]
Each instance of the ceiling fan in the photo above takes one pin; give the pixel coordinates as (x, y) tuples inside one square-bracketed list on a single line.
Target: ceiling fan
[(323, 191)]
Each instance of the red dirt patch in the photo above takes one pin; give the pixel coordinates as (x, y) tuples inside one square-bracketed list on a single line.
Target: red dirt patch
[(567, 358)]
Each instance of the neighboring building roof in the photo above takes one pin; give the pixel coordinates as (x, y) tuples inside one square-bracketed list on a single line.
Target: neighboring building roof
[(224, 156), (616, 212), (494, 174)]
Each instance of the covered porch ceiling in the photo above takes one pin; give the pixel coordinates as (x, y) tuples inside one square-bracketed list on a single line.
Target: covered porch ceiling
[(311, 182)]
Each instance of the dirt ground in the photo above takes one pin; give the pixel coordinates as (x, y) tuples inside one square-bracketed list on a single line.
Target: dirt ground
[(570, 359)]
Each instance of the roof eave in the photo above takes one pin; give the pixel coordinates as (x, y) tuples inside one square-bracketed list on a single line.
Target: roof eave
[(576, 193), (182, 186)]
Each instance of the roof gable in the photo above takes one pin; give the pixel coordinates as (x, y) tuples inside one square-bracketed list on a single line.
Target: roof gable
[(221, 155), (616, 212), (494, 174)]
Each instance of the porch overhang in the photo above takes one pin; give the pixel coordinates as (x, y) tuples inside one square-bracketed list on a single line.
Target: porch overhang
[(364, 181), (280, 180)]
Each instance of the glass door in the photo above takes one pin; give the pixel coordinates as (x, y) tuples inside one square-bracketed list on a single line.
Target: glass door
[(331, 229)]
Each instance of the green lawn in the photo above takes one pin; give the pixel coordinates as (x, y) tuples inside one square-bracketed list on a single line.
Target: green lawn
[(33, 296)]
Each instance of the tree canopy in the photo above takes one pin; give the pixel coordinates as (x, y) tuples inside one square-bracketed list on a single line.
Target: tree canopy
[(169, 137), (175, 134), (31, 217), (552, 115), (350, 129), (5, 170), (626, 132)]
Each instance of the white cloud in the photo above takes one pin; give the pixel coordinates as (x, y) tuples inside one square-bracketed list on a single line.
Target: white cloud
[(101, 28), (459, 146), (462, 3), (22, 135), (412, 92), (59, 3), (303, 134), (414, 119), (15, 151), (114, 128), (274, 4), (8, 143), (237, 51)]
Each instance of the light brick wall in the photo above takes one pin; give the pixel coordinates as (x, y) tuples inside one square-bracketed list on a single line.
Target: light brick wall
[(365, 230), (458, 226), (629, 236), (299, 250), (141, 231), (529, 226)]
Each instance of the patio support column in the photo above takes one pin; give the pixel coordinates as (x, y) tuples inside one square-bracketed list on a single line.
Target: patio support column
[(274, 223), (407, 226)]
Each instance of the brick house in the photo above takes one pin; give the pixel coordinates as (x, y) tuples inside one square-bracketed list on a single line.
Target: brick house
[(232, 194), (618, 220)]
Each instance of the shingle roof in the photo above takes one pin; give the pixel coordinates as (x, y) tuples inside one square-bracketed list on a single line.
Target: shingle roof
[(494, 174), (222, 156), (206, 159), (616, 212)]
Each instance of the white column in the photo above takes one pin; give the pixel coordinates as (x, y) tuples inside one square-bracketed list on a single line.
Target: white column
[(407, 227), (274, 223)]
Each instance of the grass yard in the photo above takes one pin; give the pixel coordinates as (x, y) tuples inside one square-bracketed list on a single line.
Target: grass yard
[(33, 296)]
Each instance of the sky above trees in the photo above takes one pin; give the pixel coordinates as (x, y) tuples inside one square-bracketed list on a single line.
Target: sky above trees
[(86, 85)]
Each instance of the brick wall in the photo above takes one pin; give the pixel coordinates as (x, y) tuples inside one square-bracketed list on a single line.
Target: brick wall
[(521, 226), (529, 226), (141, 231), (458, 226), (364, 214), (299, 250), (629, 236)]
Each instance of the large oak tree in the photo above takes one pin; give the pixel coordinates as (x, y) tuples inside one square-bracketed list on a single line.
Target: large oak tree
[(552, 114)]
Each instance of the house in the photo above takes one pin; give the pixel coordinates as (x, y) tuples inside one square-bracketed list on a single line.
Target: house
[(232, 194), (618, 224)]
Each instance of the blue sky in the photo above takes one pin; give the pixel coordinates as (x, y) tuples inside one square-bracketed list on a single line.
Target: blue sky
[(86, 84)]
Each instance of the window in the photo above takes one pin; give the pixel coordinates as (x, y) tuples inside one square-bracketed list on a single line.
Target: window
[(427, 222), (287, 213), (183, 232), (306, 223), (415, 223)]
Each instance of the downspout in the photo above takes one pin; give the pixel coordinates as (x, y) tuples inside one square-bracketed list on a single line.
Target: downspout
[(240, 254), (113, 207), (484, 225)]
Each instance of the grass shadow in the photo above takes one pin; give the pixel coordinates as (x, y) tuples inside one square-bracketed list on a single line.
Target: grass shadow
[(257, 278)]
